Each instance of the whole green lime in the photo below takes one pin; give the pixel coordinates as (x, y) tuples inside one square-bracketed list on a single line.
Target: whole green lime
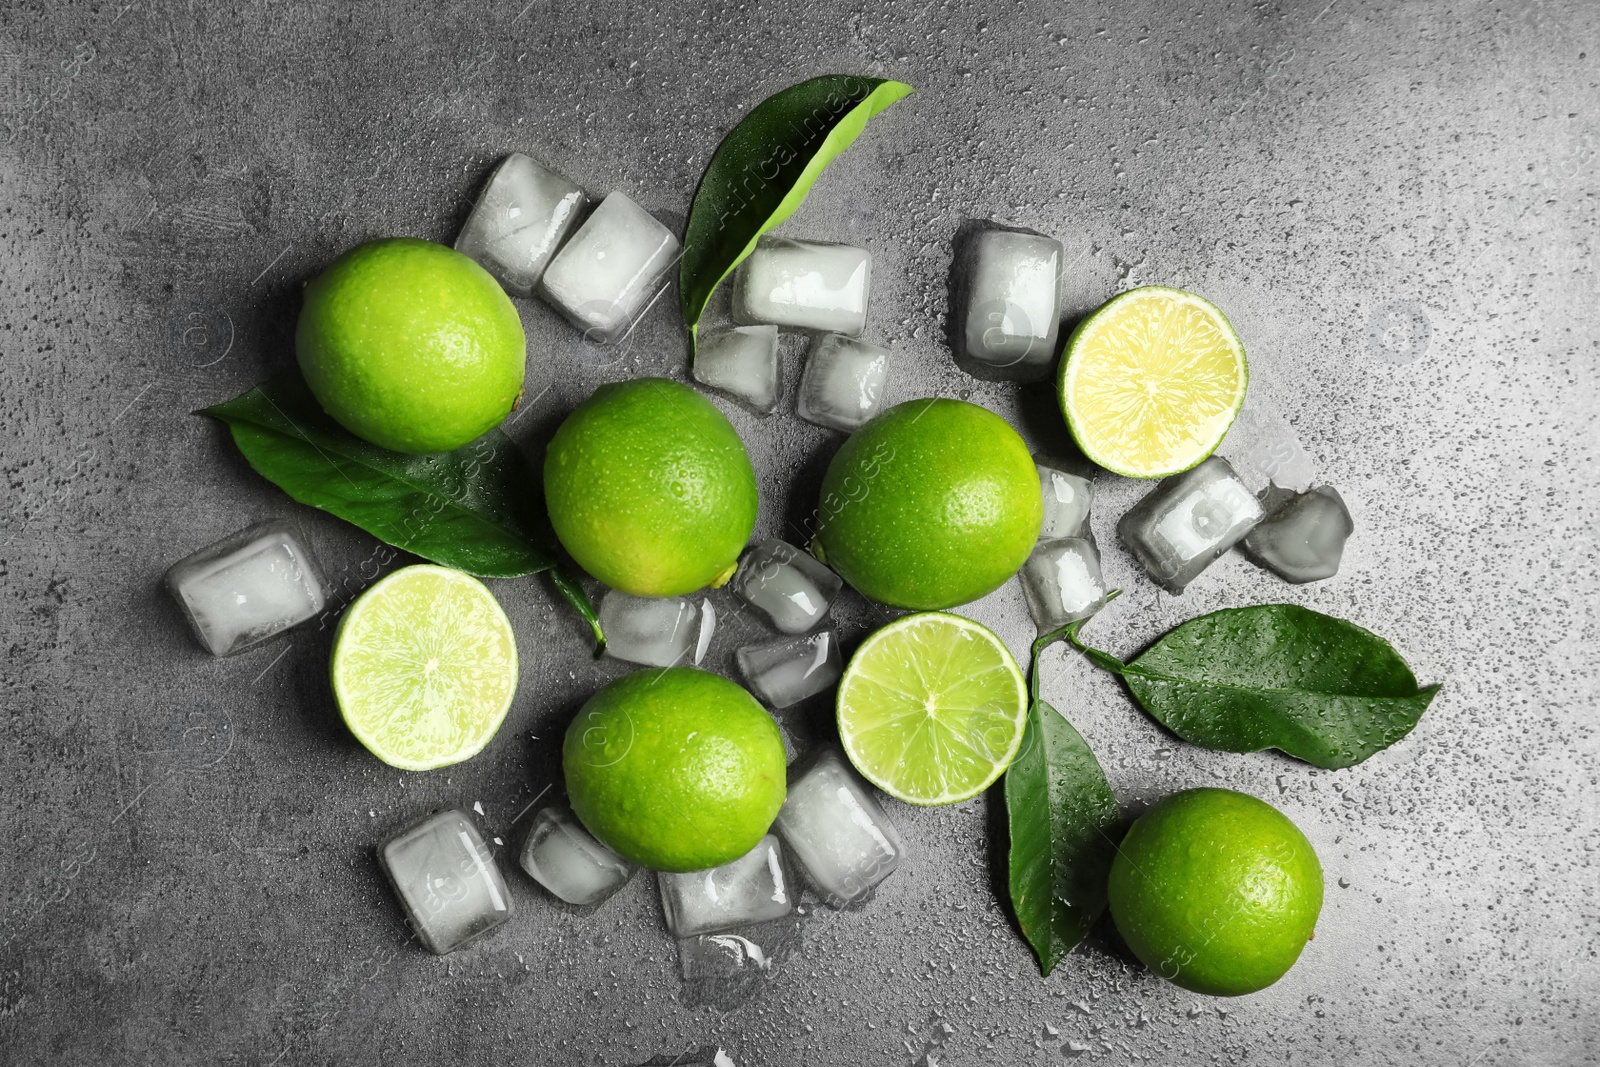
[(411, 345), (931, 504), (1216, 891), (650, 488), (675, 768)]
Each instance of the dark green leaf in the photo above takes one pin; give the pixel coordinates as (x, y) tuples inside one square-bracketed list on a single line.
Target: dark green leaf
[(574, 594), (1062, 816), (763, 170), (478, 509), (1276, 676)]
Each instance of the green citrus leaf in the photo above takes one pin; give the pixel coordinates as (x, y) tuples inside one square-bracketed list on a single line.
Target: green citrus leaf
[(475, 509), (763, 170), (569, 588), (1277, 676), (1062, 816)]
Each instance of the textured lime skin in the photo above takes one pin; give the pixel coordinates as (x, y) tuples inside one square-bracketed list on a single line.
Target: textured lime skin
[(650, 488), (411, 345), (931, 504), (1216, 891), (675, 768)]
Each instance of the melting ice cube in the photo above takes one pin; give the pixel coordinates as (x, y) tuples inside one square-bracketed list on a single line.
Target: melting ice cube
[(1013, 298), (524, 214), (742, 362), (842, 385), (722, 956), (708, 626), (788, 670), (788, 586), (1263, 449), (1189, 520), (654, 631), (1061, 582), (603, 276), (1302, 539), (248, 587), (1068, 490), (804, 284), (754, 888), (447, 881), (837, 831), (562, 856)]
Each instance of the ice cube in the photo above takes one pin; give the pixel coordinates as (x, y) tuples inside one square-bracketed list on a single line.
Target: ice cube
[(562, 856), (842, 385), (602, 278), (790, 669), (722, 956), (805, 284), (837, 832), (753, 888), (248, 587), (519, 221), (786, 585), (1061, 582), (1068, 490), (1264, 449), (1013, 298), (742, 362), (1302, 540), (708, 626), (447, 880), (654, 631), (1187, 521)]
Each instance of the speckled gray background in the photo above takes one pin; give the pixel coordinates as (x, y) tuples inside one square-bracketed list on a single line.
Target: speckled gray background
[(1395, 203)]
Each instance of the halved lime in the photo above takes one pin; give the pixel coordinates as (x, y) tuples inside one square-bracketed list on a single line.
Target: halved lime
[(424, 667), (931, 708), (1150, 382)]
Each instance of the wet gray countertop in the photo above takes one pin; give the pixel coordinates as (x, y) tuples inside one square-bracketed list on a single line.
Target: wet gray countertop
[(1395, 205)]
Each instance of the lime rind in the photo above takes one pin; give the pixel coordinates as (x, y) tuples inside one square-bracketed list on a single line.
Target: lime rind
[(1169, 336), (932, 708), (424, 667)]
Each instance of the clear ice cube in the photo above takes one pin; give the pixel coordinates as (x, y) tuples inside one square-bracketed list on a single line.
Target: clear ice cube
[(722, 956), (842, 385), (654, 631), (523, 215), (1188, 521), (248, 587), (562, 856), (835, 829), (805, 284), (1061, 582), (788, 586), (708, 626), (1302, 539), (447, 880), (788, 670), (1264, 449), (602, 278), (753, 888), (1013, 298), (742, 362), (1068, 490)]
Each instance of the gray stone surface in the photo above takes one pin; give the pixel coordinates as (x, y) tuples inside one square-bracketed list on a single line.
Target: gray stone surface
[(1395, 204)]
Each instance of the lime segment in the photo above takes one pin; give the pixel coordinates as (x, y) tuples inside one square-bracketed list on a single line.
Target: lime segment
[(424, 667), (931, 708), (1150, 382)]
